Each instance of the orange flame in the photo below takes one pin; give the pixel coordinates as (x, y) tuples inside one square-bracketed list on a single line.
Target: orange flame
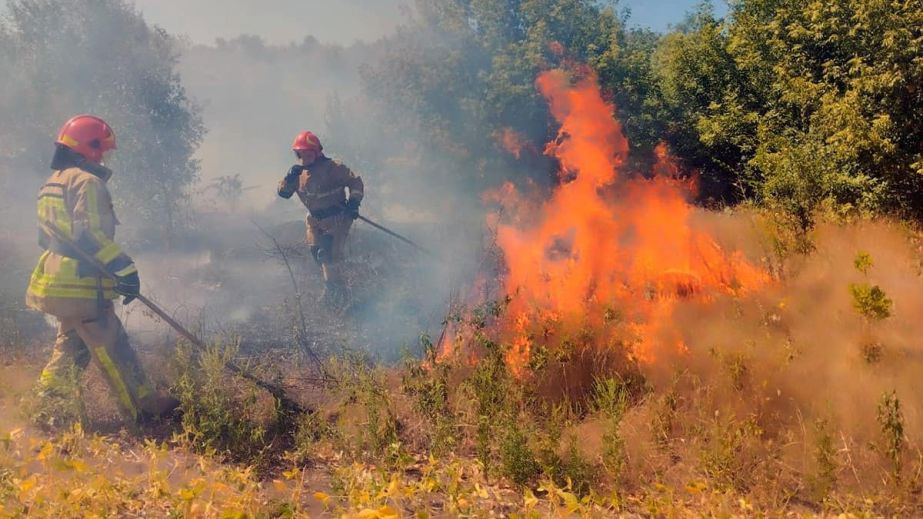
[(601, 245)]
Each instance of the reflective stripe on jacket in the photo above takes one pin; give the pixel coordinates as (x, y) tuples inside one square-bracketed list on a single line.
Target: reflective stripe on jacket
[(78, 204)]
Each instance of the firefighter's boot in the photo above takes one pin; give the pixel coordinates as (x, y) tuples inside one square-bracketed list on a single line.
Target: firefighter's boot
[(335, 293)]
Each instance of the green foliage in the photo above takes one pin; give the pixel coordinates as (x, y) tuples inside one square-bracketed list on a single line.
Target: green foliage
[(372, 428), (64, 57), (516, 458), (464, 72), (61, 405), (310, 429), (825, 458), (491, 389), (610, 397), (863, 262), (806, 105), (870, 301), (891, 421), (611, 400), (571, 470), (429, 384), (221, 415), (726, 459)]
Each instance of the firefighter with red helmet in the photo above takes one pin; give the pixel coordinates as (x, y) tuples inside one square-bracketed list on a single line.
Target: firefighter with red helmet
[(332, 193), (75, 202)]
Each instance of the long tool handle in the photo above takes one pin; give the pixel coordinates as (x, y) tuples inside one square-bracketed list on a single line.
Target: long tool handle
[(233, 368), (191, 337), (408, 241)]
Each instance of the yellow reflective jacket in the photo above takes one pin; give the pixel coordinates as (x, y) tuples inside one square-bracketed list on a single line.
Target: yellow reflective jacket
[(77, 203)]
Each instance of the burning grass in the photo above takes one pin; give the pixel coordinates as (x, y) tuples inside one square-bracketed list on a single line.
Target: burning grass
[(628, 354)]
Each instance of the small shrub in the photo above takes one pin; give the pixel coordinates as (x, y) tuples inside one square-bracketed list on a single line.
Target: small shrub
[(870, 301), (863, 262), (429, 385), (491, 392), (60, 406), (664, 419), (360, 388), (221, 414), (576, 470), (725, 459), (610, 399), (891, 420), (517, 461), (310, 428), (824, 479), (872, 352), (738, 370)]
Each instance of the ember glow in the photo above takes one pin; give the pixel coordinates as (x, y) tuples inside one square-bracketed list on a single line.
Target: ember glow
[(603, 261)]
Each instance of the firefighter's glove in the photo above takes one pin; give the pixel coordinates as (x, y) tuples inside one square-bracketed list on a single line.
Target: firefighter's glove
[(352, 207), (293, 174), (128, 286)]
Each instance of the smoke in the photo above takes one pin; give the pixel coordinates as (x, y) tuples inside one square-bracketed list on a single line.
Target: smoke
[(629, 268), (331, 21), (219, 272), (800, 350), (699, 308), (256, 97)]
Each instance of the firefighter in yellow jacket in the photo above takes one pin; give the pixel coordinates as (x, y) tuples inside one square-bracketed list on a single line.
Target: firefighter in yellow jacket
[(75, 202), (332, 193)]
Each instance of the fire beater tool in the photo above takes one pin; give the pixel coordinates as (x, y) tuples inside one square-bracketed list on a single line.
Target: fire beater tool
[(272, 389)]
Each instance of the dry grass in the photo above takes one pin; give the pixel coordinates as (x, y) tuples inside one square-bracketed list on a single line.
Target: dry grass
[(777, 409)]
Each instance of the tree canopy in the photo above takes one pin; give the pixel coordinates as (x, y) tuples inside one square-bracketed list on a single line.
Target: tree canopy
[(65, 57), (800, 106)]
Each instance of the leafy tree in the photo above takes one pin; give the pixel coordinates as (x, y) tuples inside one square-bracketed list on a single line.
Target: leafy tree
[(463, 72), (65, 57), (805, 105)]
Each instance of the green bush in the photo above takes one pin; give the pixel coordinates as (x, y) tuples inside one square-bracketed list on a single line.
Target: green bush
[(870, 301), (516, 458), (222, 414)]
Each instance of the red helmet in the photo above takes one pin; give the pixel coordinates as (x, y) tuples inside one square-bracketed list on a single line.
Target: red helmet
[(88, 135), (307, 141)]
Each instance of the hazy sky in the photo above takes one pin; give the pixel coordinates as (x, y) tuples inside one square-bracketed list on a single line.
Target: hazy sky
[(331, 21)]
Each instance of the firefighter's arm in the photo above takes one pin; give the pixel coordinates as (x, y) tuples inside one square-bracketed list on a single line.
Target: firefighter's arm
[(356, 189), (289, 184), (92, 207), (354, 183)]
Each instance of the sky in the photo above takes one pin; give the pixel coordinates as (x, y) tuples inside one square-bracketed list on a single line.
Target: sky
[(333, 21)]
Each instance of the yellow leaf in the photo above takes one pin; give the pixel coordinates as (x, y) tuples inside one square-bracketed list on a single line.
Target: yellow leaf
[(292, 474), (46, 451), (27, 485), (322, 497), (570, 501), (188, 494), (394, 487), (387, 512), (279, 485), (696, 487), (530, 499)]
